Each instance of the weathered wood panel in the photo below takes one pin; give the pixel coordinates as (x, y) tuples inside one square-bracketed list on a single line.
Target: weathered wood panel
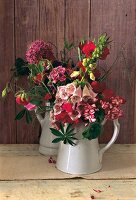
[(71, 20), (117, 19), (52, 22), (7, 106), (77, 17), (26, 31)]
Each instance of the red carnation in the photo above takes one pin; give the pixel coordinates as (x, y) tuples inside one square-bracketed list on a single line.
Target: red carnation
[(107, 93), (67, 107), (81, 66), (63, 117), (105, 53), (98, 86), (88, 49), (47, 96)]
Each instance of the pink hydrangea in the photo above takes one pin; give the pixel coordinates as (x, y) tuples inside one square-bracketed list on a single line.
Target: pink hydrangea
[(39, 50), (58, 74)]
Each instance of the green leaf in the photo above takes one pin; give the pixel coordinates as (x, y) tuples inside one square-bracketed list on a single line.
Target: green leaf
[(20, 114), (40, 66), (28, 117), (56, 132), (56, 140), (62, 128), (68, 127), (36, 102), (70, 142), (70, 131), (93, 131), (100, 114)]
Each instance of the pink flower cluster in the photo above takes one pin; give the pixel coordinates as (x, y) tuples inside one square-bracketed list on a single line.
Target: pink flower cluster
[(37, 51), (58, 74), (112, 107), (73, 103)]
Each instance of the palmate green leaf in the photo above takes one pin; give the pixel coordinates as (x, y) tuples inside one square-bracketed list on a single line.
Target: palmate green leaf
[(68, 127), (20, 114), (56, 132), (56, 140), (62, 128), (71, 142), (28, 117)]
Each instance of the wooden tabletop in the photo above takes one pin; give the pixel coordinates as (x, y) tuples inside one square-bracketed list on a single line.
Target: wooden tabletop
[(24, 176)]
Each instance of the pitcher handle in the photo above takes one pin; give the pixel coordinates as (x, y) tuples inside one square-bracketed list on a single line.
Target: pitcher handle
[(113, 139)]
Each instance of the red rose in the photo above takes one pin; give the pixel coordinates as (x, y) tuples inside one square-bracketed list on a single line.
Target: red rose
[(96, 73), (107, 94), (67, 107), (47, 96), (105, 53), (81, 66), (98, 86), (88, 49)]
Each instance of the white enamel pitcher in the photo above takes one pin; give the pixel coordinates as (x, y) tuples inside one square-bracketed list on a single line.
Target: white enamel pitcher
[(86, 156), (46, 146)]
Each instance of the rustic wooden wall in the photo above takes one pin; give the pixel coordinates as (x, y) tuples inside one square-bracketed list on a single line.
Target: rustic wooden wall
[(22, 21)]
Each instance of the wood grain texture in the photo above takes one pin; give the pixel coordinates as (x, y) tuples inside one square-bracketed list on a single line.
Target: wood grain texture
[(52, 22), (117, 19), (7, 106), (77, 19), (68, 189), (26, 31)]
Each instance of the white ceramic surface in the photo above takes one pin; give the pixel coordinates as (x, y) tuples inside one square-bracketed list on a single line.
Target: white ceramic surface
[(86, 156), (46, 146)]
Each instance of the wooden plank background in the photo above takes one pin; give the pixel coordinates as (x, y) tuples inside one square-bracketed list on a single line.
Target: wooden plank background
[(22, 21)]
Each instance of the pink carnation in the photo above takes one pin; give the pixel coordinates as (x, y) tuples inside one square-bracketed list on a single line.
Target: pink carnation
[(114, 113), (39, 50), (89, 111), (58, 74)]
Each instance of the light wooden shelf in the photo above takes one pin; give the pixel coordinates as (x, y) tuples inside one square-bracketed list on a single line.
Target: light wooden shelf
[(25, 174)]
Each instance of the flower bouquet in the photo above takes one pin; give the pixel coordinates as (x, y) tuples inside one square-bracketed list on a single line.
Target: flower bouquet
[(74, 98)]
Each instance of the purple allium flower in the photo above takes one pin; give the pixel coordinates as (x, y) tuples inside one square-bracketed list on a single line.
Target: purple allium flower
[(39, 50)]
